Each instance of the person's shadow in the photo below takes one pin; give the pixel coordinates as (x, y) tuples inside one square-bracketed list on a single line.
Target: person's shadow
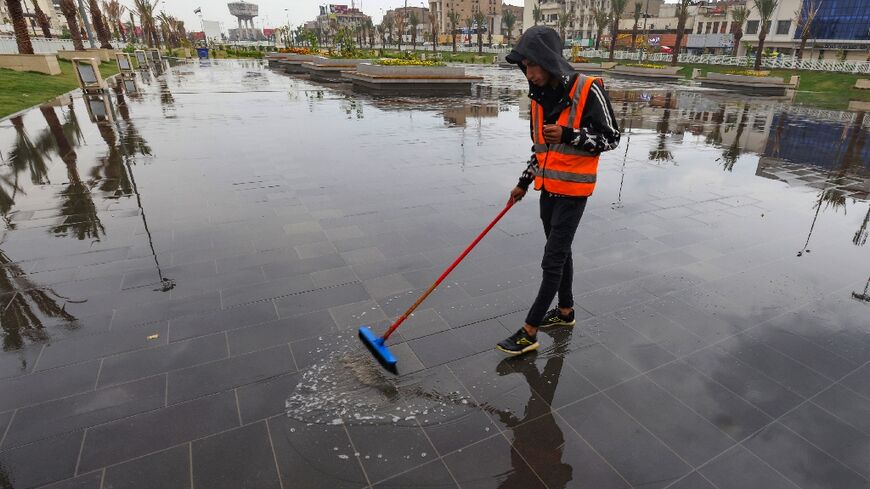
[(537, 437)]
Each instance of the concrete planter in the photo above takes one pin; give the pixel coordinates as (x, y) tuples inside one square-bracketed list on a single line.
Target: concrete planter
[(747, 79), (292, 64), (104, 54), (769, 86), (40, 63), (411, 71), (68, 55), (592, 67), (331, 70), (664, 73), (862, 84), (412, 80)]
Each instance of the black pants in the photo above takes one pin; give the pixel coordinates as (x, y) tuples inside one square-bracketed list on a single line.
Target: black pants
[(561, 216)]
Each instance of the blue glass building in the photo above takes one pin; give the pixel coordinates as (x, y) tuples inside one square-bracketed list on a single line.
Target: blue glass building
[(846, 20)]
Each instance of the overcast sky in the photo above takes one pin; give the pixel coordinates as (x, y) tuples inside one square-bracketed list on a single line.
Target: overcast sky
[(272, 12)]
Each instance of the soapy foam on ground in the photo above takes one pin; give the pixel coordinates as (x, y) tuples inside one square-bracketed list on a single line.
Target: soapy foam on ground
[(347, 386)]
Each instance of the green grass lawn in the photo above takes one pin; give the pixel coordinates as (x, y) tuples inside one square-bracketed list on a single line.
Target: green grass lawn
[(817, 88), (26, 89)]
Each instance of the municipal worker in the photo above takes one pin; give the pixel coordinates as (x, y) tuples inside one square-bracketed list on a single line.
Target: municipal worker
[(572, 122)]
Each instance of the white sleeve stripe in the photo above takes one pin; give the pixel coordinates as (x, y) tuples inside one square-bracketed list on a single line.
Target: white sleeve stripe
[(603, 107)]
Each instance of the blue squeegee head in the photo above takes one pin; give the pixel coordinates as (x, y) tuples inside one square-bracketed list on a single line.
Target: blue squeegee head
[(376, 345)]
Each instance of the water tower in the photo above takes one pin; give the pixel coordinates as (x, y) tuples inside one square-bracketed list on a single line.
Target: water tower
[(245, 13)]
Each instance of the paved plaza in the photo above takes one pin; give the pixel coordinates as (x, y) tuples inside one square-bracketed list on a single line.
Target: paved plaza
[(186, 260)]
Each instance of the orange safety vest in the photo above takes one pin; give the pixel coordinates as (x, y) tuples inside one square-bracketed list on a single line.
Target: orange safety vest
[(564, 169)]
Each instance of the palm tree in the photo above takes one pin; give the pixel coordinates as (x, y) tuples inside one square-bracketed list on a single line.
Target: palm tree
[(413, 21), (682, 15), (42, 20), (617, 7), (469, 25), (22, 37), (68, 9), (738, 16), (99, 26), (765, 12), (637, 14), (601, 18), (480, 20), (433, 23), (370, 28), (114, 11), (145, 9), (509, 19), (805, 17), (454, 21), (536, 13)]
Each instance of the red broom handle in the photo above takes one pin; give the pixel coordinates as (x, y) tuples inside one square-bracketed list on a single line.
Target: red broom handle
[(447, 272)]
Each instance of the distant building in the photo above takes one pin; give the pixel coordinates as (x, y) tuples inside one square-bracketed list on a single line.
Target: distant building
[(466, 10), (841, 30), (424, 28), (55, 19)]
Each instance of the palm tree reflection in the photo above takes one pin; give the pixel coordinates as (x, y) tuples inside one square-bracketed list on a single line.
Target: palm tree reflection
[(661, 152), (732, 153)]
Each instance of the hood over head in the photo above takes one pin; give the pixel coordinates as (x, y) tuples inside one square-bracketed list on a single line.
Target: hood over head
[(543, 46)]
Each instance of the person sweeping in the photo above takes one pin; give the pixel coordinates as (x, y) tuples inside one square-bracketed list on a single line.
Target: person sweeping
[(572, 123)]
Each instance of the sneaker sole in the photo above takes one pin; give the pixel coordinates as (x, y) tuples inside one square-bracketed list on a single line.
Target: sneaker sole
[(524, 350), (545, 326)]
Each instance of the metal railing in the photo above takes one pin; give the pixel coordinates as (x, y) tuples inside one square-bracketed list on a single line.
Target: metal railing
[(42, 45), (858, 67)]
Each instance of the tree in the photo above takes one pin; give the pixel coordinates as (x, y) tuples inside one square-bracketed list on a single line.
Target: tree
[(413, 21), (99, 26), (399, 19), (480, 20), (114, 11), (433, 24), (42, 20), (145, 9), (617, 7), (565, 19), (388, 24), (454, 21), (601, 18), (805, 17), (68, 9), (469, 24), (682, 15), (370, 28), (382, 30), (738, 16), (536, 13), (765, 12), (636, 15), (22, 37), (510, 20)]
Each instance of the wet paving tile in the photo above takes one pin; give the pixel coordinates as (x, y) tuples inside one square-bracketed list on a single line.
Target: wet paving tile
[(139, 435), (88, 481), (242, 457), (491, 463), (235, 371), (78, 412), (780, 448), (152, 361), (224, 320), (169, 468), (43, 462), (320, 299), (312, 455), (636, 454), (86, 348), (832, 435), (431, 475), (388, 450), (738, 468), (45, 386), (691, 436)]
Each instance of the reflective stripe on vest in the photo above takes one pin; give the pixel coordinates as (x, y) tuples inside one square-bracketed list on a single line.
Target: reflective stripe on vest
[(562, 168)]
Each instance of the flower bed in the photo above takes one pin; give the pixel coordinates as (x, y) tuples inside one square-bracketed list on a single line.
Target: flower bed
[(295, 50), (748, 73), (646, 65), (408, 62)]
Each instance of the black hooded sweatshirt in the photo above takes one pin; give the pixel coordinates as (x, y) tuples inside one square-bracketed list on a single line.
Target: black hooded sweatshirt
[(598, 130)]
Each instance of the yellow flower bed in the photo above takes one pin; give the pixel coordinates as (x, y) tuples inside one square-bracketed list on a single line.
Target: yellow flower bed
[(408, 62), (646, 65), (748, 73), (295, 50)]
